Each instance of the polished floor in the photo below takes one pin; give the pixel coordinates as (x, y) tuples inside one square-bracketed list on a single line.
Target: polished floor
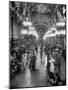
[(30, 78)]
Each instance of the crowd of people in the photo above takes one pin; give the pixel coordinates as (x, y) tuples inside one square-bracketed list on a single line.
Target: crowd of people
[(56, 63), (56, 68), (20, 59)]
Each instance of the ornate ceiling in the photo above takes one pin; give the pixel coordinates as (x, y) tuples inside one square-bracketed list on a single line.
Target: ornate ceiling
[(43, 16), (41, 12)]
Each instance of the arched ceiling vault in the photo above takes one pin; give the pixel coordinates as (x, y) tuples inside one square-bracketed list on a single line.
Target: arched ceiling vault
[(41, 28)]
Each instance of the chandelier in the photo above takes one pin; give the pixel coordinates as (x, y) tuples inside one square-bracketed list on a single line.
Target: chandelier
[(27, 22), (60, 24)]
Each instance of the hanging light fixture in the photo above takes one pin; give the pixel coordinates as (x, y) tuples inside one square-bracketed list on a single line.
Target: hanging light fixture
[(61, 32), (53, 28), (60, 24), (24, 31), (27, 21), (31, 28)]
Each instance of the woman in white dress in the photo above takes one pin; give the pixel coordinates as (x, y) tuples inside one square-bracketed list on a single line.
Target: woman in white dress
[(51, 61), (24, 59), (51, 76)]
